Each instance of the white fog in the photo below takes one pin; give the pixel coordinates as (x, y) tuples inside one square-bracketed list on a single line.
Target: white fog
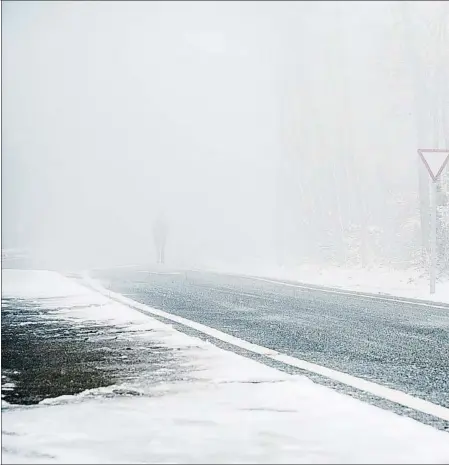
[(266, 132), (225, 232)]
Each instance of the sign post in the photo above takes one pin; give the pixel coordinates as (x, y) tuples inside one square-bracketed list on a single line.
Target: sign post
[(434, 160), (433, 236)]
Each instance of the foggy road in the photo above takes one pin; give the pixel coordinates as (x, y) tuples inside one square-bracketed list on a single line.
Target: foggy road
[(396, 344), (172, 141)]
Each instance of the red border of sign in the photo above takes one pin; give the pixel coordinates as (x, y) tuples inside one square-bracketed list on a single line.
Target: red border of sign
[(420, 151)]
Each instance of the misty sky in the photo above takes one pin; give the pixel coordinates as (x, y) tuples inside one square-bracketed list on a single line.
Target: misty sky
[(116, 111)]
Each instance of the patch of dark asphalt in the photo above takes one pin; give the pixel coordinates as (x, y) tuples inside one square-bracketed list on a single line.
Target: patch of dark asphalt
[(44, 356)]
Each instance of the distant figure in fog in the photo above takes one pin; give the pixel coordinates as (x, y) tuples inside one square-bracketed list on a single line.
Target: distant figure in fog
[(160, 233)]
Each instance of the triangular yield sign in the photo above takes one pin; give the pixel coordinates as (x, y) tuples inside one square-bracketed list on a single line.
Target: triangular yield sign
[(434, 160)]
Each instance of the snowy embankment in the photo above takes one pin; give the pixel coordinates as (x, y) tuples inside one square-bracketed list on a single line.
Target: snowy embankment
[(230, 409), (407, 283)]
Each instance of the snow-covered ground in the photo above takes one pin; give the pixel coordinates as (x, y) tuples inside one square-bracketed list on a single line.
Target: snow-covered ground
[(407, 283), (228, 410)]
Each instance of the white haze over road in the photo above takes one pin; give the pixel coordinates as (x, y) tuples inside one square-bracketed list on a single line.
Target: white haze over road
[(114, 111), (279, 139), (268, 132)]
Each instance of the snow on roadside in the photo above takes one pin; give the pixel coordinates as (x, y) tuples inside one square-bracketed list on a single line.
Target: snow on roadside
[(400, 283), (231, 409)]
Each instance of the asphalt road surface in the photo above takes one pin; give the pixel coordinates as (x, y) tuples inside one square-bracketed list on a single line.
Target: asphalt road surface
[(45, 356), (396, 344)]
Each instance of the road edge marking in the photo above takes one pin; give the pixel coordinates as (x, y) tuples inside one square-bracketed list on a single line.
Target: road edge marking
[(361, 294), (370, 387)]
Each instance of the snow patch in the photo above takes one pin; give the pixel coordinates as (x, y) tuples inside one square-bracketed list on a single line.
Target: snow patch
[(408, 283), (231, 409)]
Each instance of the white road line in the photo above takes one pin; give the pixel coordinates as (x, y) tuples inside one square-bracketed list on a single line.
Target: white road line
[(354, 294), (378, 390), (370, 387)]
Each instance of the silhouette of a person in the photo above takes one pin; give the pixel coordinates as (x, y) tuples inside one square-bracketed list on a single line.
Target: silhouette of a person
[(160, 233)]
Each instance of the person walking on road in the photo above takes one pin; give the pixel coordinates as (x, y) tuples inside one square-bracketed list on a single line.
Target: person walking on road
[(160, 233)]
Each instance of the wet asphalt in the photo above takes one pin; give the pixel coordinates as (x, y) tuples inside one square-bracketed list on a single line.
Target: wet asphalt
[(400, 345), (45, 356)]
